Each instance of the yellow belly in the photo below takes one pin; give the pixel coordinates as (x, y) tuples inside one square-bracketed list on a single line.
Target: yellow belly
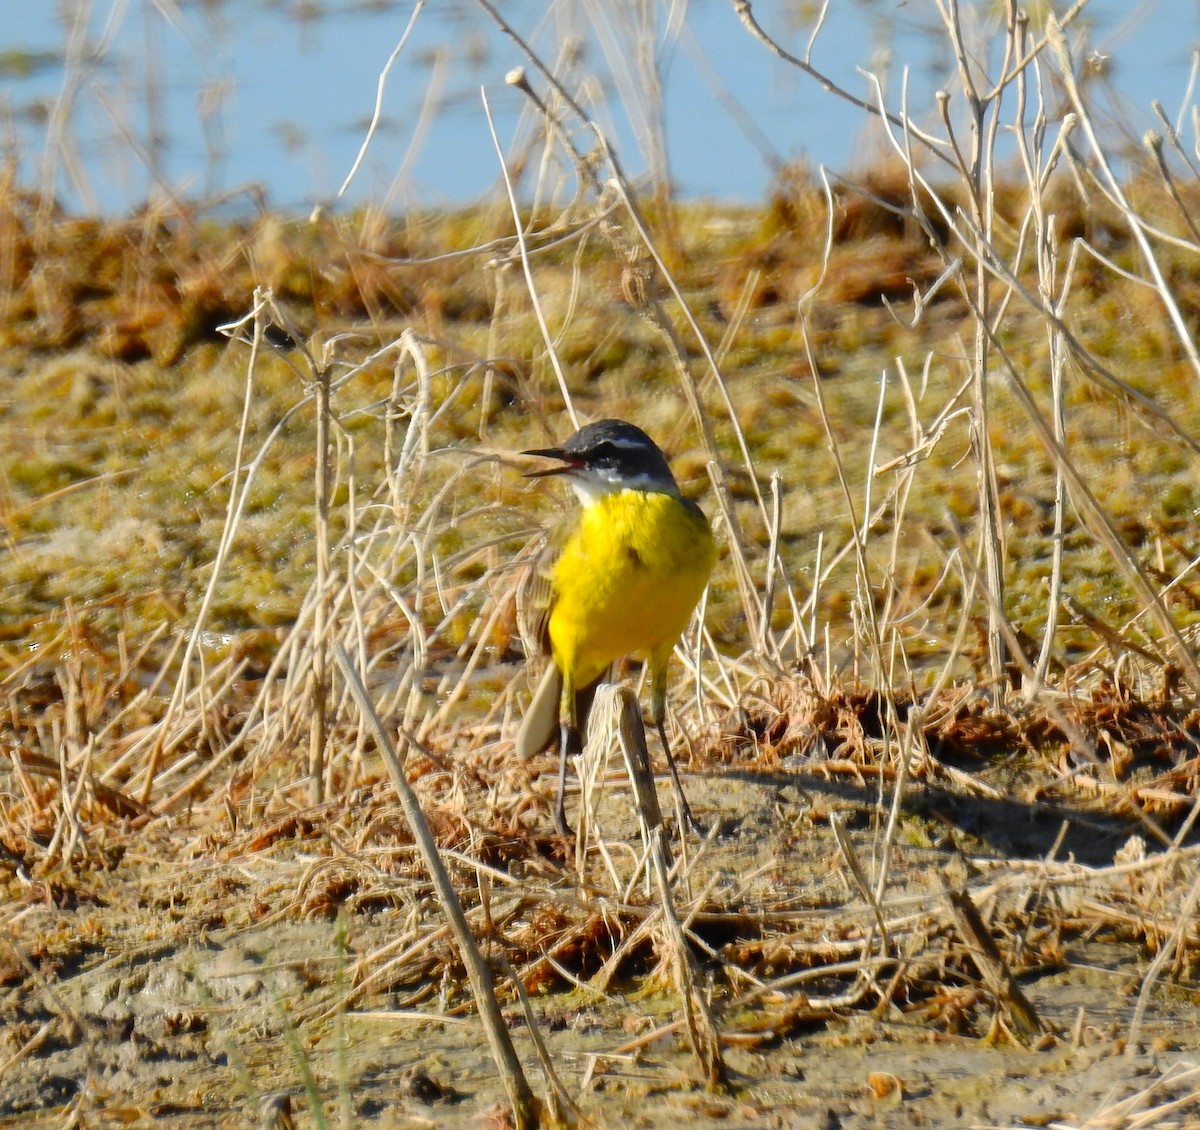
[(627, 582)]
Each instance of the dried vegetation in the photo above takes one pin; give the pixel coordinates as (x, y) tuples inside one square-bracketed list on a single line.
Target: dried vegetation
[(229, 447)]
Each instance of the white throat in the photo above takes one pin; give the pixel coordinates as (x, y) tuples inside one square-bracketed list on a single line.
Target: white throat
[(591, 488)]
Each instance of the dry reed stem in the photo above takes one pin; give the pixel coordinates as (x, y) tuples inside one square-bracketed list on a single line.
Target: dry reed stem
[(377, 112), (521, 1100), (1173, 946), (998, 977), (1062, 56), (530, 284), (235, 508), (1135, 1111), (985, 256), (698, 1018)]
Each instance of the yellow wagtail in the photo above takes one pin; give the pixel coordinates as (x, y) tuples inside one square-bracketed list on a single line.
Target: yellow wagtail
[(623, 579)]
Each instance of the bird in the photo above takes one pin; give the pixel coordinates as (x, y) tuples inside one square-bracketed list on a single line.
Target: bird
[(623, 577)]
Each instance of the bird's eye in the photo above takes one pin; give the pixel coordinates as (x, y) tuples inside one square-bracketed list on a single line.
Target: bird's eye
[(604, 452)]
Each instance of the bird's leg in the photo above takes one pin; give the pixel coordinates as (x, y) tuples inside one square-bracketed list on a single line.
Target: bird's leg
[(685, 808), (658, 714), (568, 744)]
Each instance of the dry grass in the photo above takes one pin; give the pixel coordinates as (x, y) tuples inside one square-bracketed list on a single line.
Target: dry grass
[(229, 449)]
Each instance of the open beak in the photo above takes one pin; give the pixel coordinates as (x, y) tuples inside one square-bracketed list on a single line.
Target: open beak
[(565, 463)]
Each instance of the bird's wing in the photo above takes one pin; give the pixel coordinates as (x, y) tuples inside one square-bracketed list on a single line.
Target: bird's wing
[(535, 599), (535, 592)]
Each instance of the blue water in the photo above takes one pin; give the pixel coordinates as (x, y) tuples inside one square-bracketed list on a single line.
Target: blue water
[(170, 97)]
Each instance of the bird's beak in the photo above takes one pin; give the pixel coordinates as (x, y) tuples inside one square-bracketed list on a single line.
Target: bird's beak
[(565, 463)]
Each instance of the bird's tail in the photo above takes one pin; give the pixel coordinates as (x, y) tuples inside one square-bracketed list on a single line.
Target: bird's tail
[(540, 725)]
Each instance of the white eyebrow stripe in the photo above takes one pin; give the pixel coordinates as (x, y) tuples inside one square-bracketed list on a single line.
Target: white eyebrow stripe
[(622, 443)]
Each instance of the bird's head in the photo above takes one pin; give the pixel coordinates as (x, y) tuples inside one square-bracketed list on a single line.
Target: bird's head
[(607, 457)]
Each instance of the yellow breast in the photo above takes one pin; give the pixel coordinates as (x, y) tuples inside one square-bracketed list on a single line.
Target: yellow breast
[(627, 581)]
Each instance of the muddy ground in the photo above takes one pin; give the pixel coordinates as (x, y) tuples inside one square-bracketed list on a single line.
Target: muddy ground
[(157, 991)]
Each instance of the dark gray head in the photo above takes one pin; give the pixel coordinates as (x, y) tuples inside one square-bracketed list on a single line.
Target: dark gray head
[(609, 456)]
